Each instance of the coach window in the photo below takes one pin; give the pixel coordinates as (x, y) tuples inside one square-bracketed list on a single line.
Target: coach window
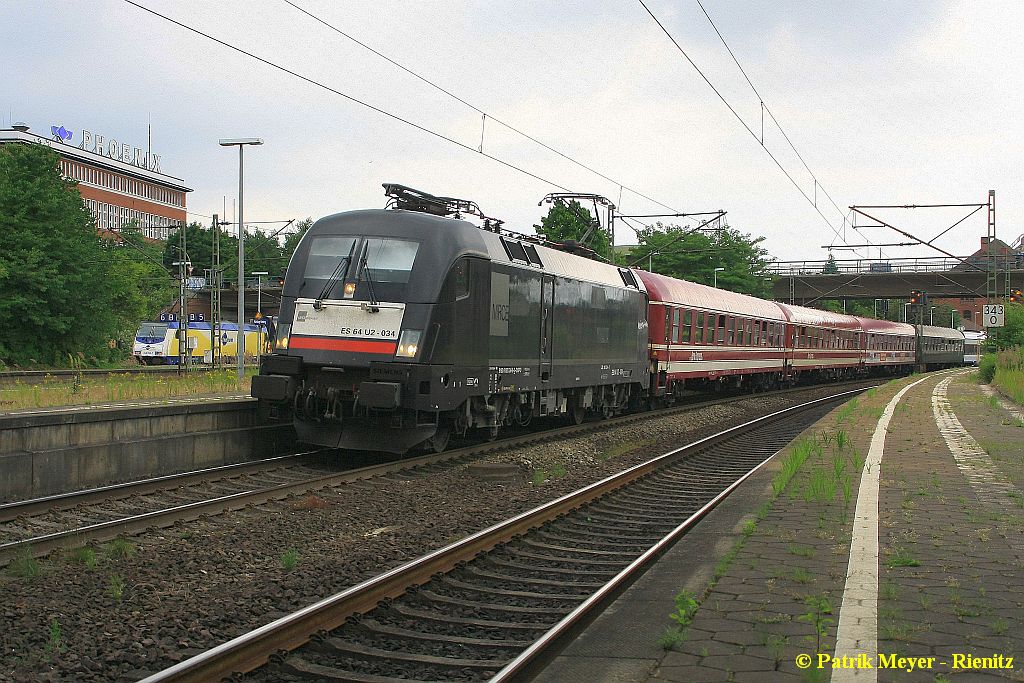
[(721, 329), (668, 324), (687, 321), (675, 325), (698, 330), (730, 330)]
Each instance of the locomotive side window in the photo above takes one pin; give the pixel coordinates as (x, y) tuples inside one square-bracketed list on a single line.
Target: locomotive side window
[(687, 321), (460, 279)]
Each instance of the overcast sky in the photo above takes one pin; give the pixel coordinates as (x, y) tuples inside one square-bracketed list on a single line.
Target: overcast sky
[(886, 102)]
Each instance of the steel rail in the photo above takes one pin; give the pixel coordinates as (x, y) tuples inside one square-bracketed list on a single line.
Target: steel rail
[(103, 531), (63, 501), (254, 649)]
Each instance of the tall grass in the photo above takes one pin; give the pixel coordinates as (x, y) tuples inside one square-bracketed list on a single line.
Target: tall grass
[(1009, 373), (60, 391)]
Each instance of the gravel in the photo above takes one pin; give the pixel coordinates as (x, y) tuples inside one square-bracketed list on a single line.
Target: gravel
[(185, 589)]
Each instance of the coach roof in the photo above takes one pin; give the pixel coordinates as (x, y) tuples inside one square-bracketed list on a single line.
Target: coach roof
[(801, 315), (690, 294)]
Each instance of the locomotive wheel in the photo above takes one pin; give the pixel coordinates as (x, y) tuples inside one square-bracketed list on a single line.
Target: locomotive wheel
[(439, 441), (576, 414)]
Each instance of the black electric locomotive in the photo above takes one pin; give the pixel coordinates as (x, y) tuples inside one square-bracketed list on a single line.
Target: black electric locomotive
[(402, 326)]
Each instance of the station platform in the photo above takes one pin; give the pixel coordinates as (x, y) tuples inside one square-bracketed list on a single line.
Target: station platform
[(895, 553)]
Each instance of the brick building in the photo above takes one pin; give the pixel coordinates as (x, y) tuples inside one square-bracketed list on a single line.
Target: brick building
[(120, 183)]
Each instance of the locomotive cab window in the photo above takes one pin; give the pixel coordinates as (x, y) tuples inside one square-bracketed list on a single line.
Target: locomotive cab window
[(390, 260)]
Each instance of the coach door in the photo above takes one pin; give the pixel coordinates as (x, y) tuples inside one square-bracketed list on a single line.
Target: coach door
[(547, 305)]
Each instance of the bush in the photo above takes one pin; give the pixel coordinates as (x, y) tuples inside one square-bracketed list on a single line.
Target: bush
[(987, 368)]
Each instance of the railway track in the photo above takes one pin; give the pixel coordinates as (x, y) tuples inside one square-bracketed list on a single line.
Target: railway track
[(40, 526), (490, 606)]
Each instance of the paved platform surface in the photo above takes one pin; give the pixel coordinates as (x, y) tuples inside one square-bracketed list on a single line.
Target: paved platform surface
[(132, 403), (934, 514)]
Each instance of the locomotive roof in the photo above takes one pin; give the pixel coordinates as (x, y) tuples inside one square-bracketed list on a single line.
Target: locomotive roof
[(941, 332), (671, 290), (451, 238), (802, 315), (885, 327)]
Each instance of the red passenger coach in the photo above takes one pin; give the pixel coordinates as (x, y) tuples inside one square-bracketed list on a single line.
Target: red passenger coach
[(700, 335), (825, 343), (887, 344)]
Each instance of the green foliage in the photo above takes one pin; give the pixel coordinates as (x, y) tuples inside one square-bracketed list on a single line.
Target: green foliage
[(686, 608), (292, 239), (831, 267), (85, 556), (1012, 332), (54, 641), (115, 587), (25, 566), (987, 368), (675, 251), (64, 290), (290, 559), (819, 606), (572, 222), (120, 549)]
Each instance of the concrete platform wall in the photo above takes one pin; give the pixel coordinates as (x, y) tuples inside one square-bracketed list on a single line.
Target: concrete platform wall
[(54, 452)]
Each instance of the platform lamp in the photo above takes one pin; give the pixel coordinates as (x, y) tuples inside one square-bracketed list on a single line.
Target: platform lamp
[(240, 337), (717, 271), (259, 312)]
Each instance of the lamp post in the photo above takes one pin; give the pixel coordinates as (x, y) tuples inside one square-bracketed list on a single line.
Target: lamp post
[(717, 271), (259, 312), (240, 338), (183, 351)]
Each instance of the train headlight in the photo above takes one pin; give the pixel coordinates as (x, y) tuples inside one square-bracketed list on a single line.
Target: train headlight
[(284, 331), (350, 290), (409, 343)]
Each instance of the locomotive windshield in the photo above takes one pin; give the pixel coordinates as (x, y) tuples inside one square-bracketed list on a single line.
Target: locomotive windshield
[(152, 330), (373, 261)]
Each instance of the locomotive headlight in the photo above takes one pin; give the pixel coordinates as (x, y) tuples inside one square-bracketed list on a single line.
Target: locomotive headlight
[(284, 331), (409, 343), (350, 290)]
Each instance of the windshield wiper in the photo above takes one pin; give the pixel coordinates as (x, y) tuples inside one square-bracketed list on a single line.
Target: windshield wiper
[(373, 308), (336, 275)]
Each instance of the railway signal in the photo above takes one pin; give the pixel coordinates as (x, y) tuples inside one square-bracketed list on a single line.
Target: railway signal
[(916, 297), (1016, 296)]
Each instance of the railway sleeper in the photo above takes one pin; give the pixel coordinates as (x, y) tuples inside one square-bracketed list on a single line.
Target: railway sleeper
[(552, 613), (512, 579), (409, 634), (526, 595), (406, 611)]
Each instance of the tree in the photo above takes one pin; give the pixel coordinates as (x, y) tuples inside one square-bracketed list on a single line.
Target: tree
[(692, 255), (572, 222), (291, 241), (54, 296), (1011, 333), (831, 267), (138, 284)]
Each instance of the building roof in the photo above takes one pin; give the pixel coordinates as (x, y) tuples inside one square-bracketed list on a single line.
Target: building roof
[(94, 159), (682, 292)]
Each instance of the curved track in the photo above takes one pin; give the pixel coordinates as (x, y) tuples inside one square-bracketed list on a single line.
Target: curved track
[(489, 606)]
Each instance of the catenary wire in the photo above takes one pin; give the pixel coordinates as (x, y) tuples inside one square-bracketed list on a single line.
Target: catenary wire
[(474, 107), (356, 100), (740, 119)]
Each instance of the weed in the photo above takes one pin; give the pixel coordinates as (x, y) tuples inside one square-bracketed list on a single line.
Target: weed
[(800, 550), (120, 549), (901, 558), (85, 556), (776, 645), (926, 601), (539, 477), (290, 559), (820, 487), (25, 566), (999, 626), (819, 607), (54, 641), (842, 440), (889, 591), (857, 460), (898, 631), (801, 575), (686, 608), (115, 587), (615, 450), (749, 527), (558, 471), (791, 464), (671, 638), (704, 651)]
